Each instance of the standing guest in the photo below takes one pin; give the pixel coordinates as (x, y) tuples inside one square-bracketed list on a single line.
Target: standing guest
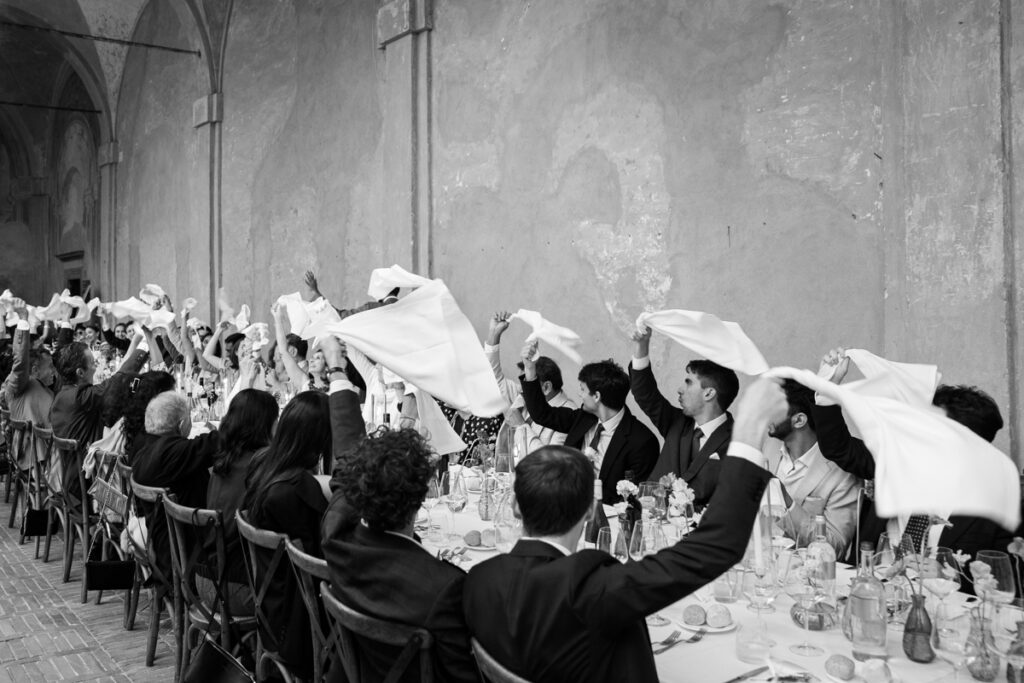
[(811, 484), (164, 456), (377, 564), (697, 432), (283, 495), (604, 428), (527, 434), (969, 406), (551, 615), (29, 388)]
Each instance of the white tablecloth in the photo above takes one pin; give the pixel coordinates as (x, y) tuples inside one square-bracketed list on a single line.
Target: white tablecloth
[(713, 659)]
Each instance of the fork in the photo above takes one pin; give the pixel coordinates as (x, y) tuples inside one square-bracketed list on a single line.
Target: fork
[(672, 637), (695, 638)]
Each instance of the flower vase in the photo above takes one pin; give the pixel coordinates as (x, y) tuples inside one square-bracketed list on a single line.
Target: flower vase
[(626, 523), (985, 665), (917, 632), (1016, 648)]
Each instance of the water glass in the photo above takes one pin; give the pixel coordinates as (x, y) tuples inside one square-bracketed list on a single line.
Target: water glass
[(728, 587), (752, 642), (604, 539)]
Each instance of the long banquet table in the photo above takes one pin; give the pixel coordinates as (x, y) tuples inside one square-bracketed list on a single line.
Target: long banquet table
[(713, 659)]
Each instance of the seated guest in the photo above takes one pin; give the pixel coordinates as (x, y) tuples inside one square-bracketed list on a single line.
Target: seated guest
[(377, 564), (811, 484), (970, 407), (696, 432), (614, 440), (551, 615), (246, 429), (527, 434), (29, 387), (164, 456), (282, 495)]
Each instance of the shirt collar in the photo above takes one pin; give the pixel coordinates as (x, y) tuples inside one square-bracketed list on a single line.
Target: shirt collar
[(613, 422), (711, 425), (557, 546), (812, 455)]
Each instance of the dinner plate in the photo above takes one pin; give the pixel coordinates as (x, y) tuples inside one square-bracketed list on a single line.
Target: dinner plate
[(482, 548), (710, 629)]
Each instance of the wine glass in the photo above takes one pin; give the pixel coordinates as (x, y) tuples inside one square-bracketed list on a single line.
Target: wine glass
[(761, 585), (604, 539), (941, 574), (648, 539), (807, 597), (950, 632), (999, 562), (1008, 622), (648, 495), (430, 501)]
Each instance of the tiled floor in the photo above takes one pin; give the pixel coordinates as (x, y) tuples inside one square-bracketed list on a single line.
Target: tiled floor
[(47, 634)]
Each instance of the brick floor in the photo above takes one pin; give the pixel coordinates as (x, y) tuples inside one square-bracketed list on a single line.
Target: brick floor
[(47, 634)]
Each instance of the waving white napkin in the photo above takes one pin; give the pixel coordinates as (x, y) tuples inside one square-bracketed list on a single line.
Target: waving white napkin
[(723, 342), (130, 308), (912, 383), (924, 461), (561, 338), (188, 304), (383, 280), (258, 334), (159, 318), (306, 317), (427, 340), (152, 293)]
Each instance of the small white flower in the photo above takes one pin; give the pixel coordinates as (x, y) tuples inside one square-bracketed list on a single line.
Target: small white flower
[(626, 488)]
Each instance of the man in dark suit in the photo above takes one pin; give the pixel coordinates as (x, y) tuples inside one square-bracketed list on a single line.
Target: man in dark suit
[(376, 562), (697, 432), (970, 407), (604, 429), (551, 615)]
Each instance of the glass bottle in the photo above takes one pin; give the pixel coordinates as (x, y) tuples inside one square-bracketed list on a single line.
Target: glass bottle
[(1017, 648), (485, 506), (917, 632), (507, 529), (597, 519), (822, 557), (866, 608), (984, 665)]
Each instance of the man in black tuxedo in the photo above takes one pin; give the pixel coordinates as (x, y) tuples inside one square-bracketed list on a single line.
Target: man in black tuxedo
[(970, 407), (697, 432), (551, 615), (376, 562), (604, 429)]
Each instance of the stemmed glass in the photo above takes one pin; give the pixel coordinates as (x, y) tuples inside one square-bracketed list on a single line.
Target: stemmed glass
[(648, 538), (940, 574), (801, 589), (1002, 572), (648, 495), (1004, 633), (431, 500), (951, 629), (453, 488), (604, 539)]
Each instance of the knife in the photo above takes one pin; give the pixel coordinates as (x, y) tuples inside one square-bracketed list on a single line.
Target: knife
[(749, 674)]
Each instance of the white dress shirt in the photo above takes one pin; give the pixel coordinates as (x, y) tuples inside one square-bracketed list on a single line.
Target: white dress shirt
[(709, 427), (610, 425)]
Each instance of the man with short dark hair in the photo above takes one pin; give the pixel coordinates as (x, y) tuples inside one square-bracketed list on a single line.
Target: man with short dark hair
[(528, 436), (566, 616), (604, 428), (967, 405), (29, 387), (697, 431)]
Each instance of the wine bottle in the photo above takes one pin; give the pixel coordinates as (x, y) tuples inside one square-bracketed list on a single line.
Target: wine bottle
[(597, 519)]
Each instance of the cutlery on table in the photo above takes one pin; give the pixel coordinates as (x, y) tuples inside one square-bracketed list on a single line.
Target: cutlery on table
[(672, 637), (750, 674)]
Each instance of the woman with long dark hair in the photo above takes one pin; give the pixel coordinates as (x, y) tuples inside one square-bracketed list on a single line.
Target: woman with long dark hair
[(284, 496)]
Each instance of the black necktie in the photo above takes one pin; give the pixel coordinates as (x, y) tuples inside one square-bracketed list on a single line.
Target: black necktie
[(917, 528), (695, 449), (597, 436)]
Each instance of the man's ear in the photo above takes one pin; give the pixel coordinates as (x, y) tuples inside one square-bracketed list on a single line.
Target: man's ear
[(799, 420), (597, 396), (546, 387), (709, 394), (515, 509)]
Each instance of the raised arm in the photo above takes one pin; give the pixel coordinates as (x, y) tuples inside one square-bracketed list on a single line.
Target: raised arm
[(210, 352), (347, 426), (17, 381), (295, 373), (645, 388), (834, 438), (542, 412)]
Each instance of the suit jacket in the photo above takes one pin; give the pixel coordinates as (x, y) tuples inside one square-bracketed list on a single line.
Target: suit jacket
[(968, 534), (77, 411), (27, 399), (551, 617), (632, 447), (700, 470), (390, 576)]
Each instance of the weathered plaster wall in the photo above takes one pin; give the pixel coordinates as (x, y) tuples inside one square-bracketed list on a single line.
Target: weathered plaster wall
[(597, 158), (302, 182), (162, 223)]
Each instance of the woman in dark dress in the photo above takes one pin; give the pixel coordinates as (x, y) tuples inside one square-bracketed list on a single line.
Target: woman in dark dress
[(284, 496)]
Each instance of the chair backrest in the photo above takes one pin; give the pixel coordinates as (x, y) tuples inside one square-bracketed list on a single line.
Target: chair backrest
[(43, 438), (72, 483), (346, 623), (490, 668), (5, 424), (189, 528), (108, 485), (144, 553), (18, 435), (271, 543), (310, 571)]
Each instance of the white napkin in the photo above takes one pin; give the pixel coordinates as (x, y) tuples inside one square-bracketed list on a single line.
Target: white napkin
[(383, 280), (924, 461), (188, 305), (427, 340), (130, 308), (723, 342), (258, 334), (556, 336), (151, 294), (908, 382)]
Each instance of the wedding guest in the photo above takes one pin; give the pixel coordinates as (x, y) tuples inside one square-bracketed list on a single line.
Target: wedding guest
[(377, 564), (569, 616), (527, 434), (283, 495), (245, 430), (697, 431), (29, 387), (614, 440), (164, 456), (811, 484), (967, 405)]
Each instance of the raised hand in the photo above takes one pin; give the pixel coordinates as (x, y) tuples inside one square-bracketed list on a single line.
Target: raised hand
[(529, 356), (497, 326), (311, 287), (834, 365), (641, 342)]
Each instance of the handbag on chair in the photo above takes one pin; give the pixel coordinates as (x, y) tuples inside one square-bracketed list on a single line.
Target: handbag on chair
[(108, 575)]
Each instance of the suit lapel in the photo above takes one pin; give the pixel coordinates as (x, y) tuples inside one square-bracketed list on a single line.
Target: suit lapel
[(815, 473), (718, 438), (617, 443)]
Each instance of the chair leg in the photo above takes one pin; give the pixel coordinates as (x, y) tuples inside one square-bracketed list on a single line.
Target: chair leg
[(7, 483), (69, 547), (103, 556), (49, 534), (14, 505), (131, 601), (86, 542), (154, 625)]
